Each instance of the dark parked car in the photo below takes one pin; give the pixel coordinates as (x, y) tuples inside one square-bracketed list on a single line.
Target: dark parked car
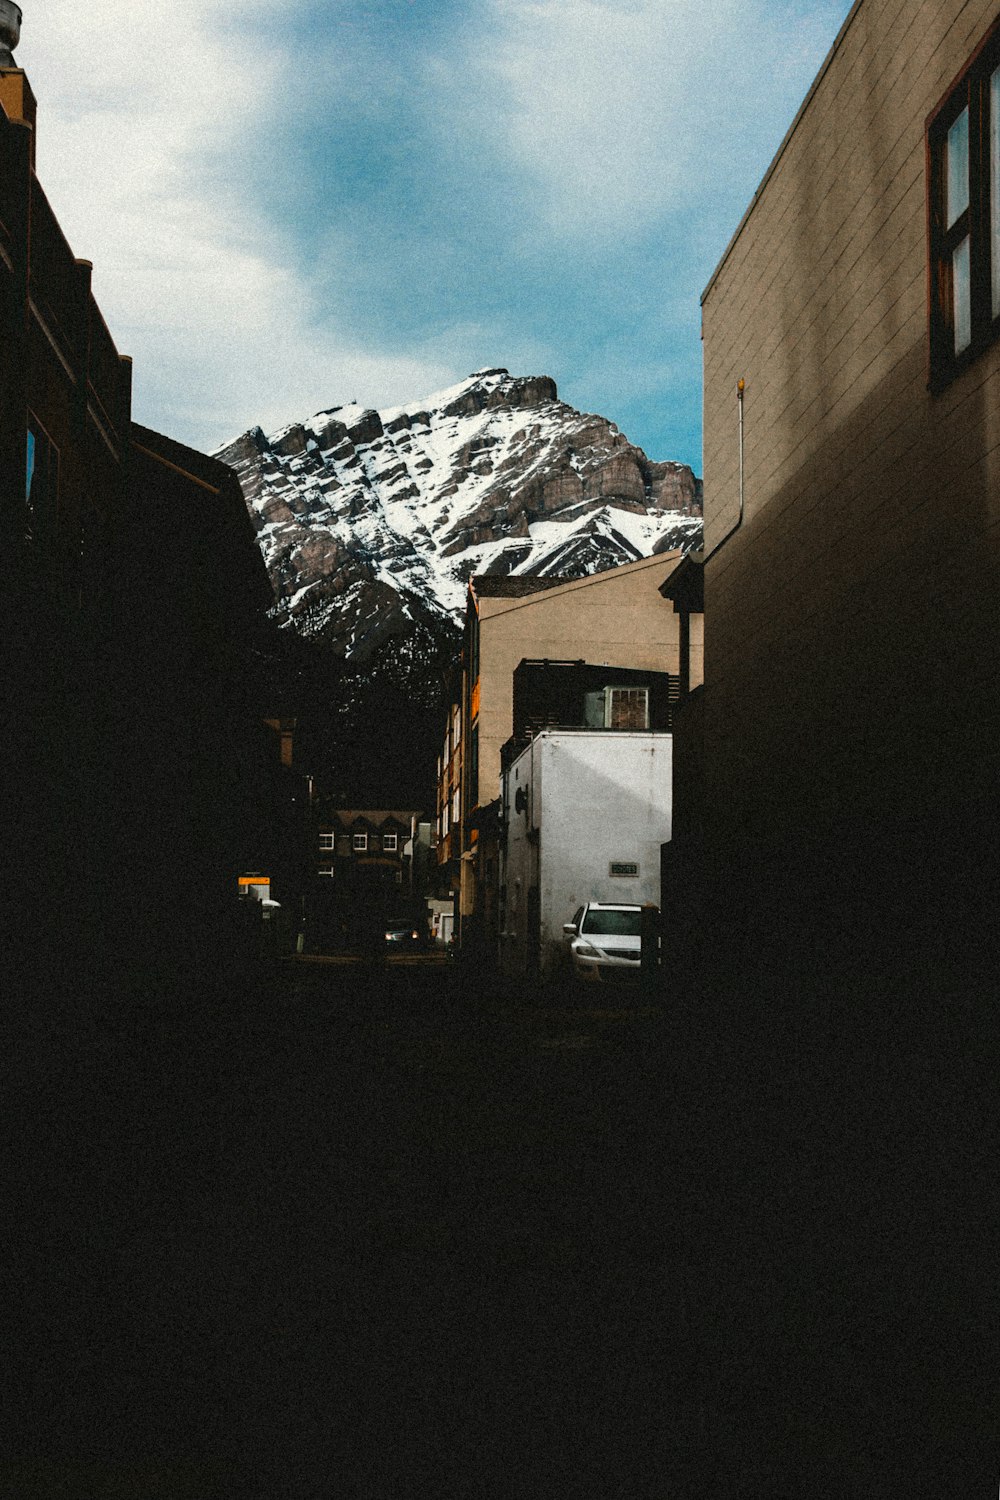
[(401, 932)]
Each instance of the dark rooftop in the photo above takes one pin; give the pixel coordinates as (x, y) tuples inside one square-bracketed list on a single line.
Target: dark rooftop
[(686, 584), (210, 471), (500, 586)]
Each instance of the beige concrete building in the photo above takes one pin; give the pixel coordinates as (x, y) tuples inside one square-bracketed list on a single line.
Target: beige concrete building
[(850, 708), (616, 618), (846, 843)]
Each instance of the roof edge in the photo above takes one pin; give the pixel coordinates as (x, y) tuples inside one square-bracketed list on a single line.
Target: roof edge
[(786, 138), (587, 581), (201, 467)]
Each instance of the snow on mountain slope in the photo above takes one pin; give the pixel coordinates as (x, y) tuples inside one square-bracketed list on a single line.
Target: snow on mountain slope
[(368, 520)]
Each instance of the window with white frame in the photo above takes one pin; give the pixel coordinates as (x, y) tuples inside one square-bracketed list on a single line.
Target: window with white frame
[(390, 842), (359, 843), (325, 870), (617, 708), (627, 708), (326, 840)]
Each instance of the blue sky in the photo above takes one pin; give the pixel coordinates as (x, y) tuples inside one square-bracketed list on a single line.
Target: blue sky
[(307, 203)]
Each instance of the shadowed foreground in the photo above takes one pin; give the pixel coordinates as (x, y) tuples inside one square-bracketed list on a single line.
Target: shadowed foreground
[(352, 1235)]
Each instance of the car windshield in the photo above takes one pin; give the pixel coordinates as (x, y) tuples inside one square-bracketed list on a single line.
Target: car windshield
[(613, 923)]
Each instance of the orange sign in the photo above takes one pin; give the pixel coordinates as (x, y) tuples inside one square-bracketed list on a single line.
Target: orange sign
[(255, 880)]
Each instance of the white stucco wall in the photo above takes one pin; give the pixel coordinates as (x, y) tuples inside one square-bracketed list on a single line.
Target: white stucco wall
[(594, 797)]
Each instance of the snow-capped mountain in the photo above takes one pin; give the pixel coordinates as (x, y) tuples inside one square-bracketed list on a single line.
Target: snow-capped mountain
[(368, 520)]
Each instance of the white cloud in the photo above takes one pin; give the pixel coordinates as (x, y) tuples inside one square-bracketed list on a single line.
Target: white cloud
[(621, 111), (583, 123), (140, 108)]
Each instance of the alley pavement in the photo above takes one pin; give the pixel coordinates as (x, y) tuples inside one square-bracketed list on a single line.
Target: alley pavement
[(381, 1231)]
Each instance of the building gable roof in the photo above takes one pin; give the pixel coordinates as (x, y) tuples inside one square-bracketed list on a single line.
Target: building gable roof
[(348, 817), (491, 586)]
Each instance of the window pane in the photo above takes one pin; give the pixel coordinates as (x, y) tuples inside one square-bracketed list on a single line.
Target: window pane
[(962, 298), (957, 169), (593, 710), (628, 709), (995, 188), (614, 923)]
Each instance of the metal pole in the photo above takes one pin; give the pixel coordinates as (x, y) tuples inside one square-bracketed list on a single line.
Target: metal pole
[(740, 387), (649, 937)]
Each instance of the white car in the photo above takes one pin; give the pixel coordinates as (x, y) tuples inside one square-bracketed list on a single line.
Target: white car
[(605, 944)]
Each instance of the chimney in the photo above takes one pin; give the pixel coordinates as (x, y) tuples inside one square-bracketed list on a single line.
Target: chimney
[(16, 99), (285, 730), (10, 32)]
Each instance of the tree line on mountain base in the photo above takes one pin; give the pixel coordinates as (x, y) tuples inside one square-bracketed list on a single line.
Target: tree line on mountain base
[(368, 732)]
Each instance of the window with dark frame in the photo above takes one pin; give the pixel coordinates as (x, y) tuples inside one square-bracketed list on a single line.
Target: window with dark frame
[(472, 785), (41, 482), (963, 152)]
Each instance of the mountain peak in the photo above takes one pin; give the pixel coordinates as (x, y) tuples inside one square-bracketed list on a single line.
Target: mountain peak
[(370, 519)]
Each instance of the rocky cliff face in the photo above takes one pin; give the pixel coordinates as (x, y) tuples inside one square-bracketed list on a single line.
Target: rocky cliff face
[(370, 520)]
